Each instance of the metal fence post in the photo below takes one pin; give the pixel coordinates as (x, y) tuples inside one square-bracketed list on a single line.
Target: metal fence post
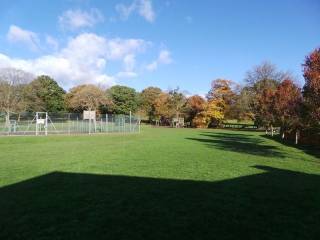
[(130, 122), (107, 126), (69, 123)]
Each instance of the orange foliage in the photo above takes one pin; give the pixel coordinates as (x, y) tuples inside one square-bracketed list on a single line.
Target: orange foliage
[(311, 88)]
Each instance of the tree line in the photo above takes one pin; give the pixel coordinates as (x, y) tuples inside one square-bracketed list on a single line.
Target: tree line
[(269, 97)]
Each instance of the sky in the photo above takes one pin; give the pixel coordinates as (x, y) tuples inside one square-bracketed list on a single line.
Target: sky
[(163, 43)]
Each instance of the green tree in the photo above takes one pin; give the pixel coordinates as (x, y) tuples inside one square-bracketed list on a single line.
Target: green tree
[(125, 99), (44, 94), (148, 97), (241, 109), (177, 102)]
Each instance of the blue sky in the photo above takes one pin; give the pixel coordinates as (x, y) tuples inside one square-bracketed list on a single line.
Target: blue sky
[(143, 43)]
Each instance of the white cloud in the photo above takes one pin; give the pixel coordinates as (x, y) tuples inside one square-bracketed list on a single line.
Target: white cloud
[(118, 48), (31, 39), (127, 74), (163, 58), (129, 62), (146, 10), (52, 42), (80, 62), (75, 19), (19, 35), (152, 66), (142, 7), (125, 11)]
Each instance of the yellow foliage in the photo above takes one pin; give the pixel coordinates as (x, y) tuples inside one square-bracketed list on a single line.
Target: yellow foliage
[(200, 120), (215, 109), (213, 113)]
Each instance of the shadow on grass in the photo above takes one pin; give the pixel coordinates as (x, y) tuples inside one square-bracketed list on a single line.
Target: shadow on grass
[(311, 150), (275, 204), (243, 143)]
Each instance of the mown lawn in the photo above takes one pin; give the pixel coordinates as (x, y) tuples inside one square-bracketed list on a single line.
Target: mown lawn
[(159, 184)]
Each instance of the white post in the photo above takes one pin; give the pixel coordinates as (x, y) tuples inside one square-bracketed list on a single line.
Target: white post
[(107, 126), (89, 121), (46, 124), (82, 127), (130, 121), (8, 125), (113, 123), (123, 123), (69, 123), (139, 122), (37, 124)]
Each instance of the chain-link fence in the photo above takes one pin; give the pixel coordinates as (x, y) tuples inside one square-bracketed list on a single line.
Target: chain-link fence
[(43, 123)]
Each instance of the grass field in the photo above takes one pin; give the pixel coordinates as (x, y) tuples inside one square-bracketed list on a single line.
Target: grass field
[(160, 184)]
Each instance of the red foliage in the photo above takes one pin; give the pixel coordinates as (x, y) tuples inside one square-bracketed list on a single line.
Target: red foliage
[(265, 110), (196, 103), (311, 88), (287, 103)]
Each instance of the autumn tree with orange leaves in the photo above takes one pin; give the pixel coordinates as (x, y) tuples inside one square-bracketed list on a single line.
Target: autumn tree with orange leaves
[(287, 102), (311, 89), (161, 105), (221, 98), (195, 105), (86, 97), (264, 114)]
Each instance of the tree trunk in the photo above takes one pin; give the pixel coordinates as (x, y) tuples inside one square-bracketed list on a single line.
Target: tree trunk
[(271, 130), (7, 119), (177, 116), (297, 137)]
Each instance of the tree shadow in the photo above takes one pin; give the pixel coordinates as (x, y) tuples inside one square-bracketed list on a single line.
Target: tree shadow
[(274, 204), (232, 133), (308, 149), (242, 143)]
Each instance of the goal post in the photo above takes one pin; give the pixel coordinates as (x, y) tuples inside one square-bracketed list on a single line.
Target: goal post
[(91, 116), (41, 121)]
